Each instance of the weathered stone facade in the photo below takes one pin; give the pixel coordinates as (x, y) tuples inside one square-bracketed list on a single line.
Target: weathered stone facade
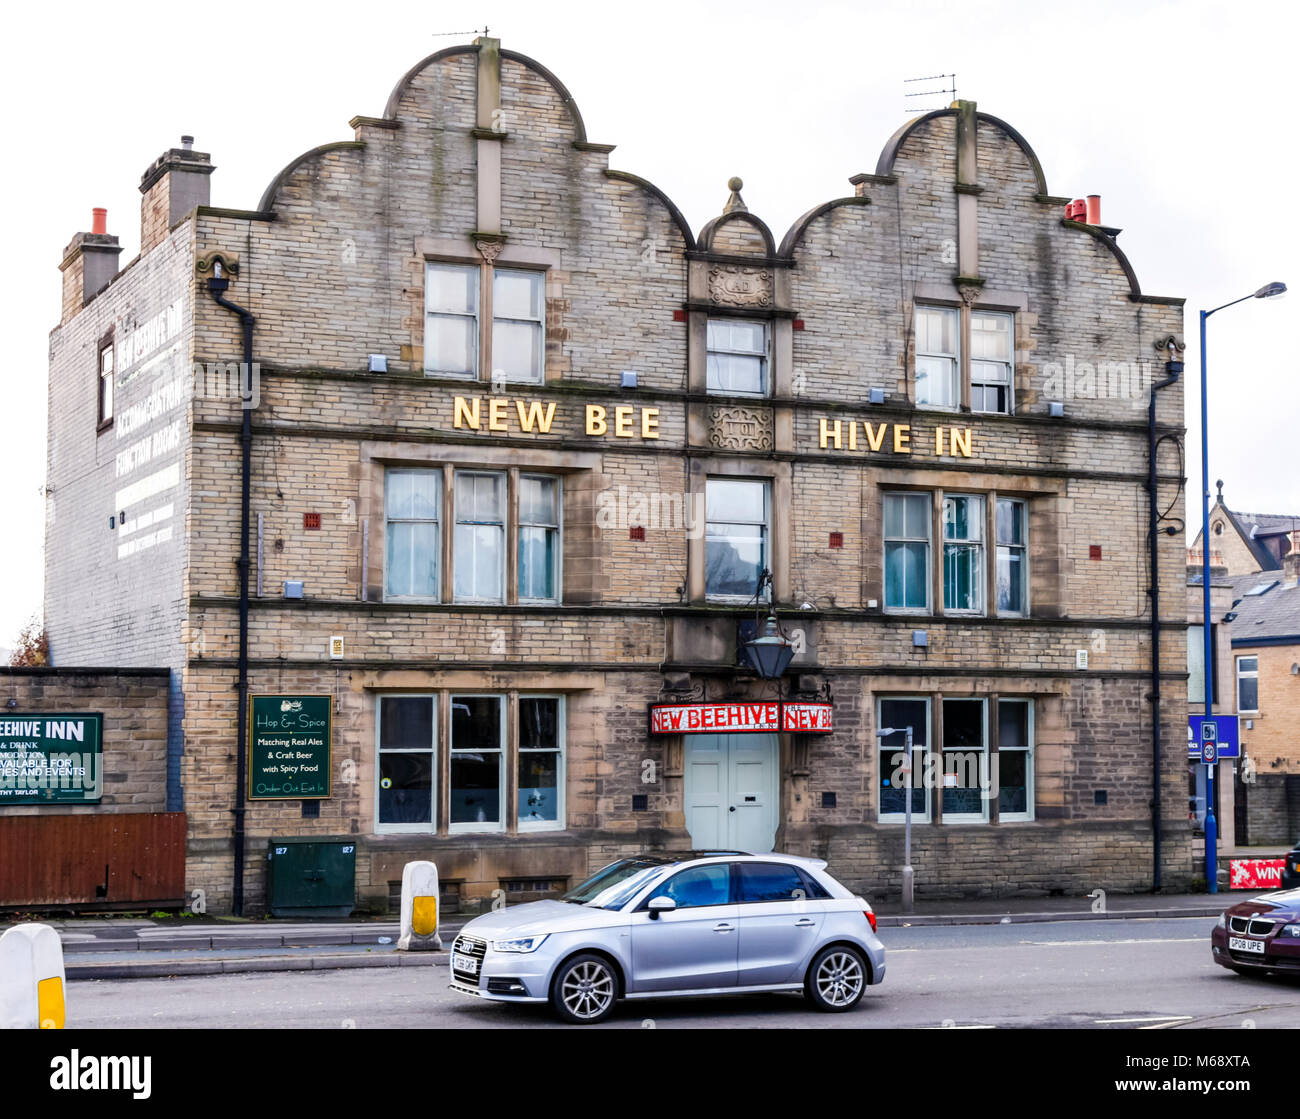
[(481, 160)]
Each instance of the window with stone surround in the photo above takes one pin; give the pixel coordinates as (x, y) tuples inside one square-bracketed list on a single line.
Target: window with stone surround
[(943, 336), (451, 319), (1015, 760), (455, 321), (486, 735), (965, 761), (907, 552), (737, 361), (492, 516), (938, 379), (991, 367), (737, 513), (897, 713), (480, 542), (518, 322), (406, 769), (963, 554), (1013, 556), (413, 544)]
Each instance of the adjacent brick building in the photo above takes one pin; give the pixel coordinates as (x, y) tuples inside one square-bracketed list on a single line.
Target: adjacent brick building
[(528, 443)]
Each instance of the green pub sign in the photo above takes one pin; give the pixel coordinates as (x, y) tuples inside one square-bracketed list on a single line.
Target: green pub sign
[(51, 759), (289, 747)]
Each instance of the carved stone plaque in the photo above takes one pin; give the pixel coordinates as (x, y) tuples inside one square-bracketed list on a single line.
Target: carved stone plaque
[(735, 428), (738, 286)]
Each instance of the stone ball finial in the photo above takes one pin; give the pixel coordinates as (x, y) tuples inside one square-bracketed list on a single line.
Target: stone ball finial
[(735, 182)]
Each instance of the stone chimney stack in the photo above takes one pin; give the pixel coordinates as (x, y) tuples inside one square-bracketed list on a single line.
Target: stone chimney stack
[(89, 262), (1291, 561), (176, 182)]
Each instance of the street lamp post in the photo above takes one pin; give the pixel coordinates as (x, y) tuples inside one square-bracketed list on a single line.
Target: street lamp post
[(1211, 825), (882, 733)]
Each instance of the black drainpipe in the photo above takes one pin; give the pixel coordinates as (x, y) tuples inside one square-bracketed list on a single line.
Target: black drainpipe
[(1173, 369), (217, 284)]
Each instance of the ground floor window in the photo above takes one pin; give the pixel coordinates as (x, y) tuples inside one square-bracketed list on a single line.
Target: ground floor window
[(897, 715), (967, 773), (1015, 774), (482, 739)]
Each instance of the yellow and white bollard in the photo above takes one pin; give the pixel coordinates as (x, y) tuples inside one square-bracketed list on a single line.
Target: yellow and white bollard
[(419, 908), (31, 979)]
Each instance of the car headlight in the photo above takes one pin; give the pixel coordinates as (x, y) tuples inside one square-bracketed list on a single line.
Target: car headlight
[(1223, 921), (1289, 930), (519, 944)]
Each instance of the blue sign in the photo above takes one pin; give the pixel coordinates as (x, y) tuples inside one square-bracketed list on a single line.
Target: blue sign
[(1212, 736)]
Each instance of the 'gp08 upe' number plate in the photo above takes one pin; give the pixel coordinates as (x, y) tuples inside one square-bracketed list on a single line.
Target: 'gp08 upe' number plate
[(1241, 944)]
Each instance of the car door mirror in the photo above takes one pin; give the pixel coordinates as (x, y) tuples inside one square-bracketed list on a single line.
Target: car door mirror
[(660, 905)]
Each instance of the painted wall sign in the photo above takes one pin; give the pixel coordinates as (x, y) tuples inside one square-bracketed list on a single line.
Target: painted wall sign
[(51, 759), (740, 718), (289, 745), (1255, 874)]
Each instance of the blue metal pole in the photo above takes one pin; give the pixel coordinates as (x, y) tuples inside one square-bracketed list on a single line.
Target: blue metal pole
[(1211, 825)]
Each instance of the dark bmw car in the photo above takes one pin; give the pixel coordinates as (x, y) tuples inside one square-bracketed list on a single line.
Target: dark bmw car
[(1291, 869), (1260, 935)]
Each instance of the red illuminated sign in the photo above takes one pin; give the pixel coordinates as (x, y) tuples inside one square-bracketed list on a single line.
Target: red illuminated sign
[(741, 718)]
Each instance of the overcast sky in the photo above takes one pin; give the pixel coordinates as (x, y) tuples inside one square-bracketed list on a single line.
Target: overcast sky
[(1178, 115)]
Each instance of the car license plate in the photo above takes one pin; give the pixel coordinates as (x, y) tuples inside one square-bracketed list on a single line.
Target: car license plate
[(469, 964), (1241, 944)]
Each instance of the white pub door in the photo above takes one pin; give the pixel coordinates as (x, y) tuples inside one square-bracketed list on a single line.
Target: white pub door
[(731, 791)]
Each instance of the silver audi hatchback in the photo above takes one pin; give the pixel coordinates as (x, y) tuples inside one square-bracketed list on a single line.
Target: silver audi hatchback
[(668, 925)]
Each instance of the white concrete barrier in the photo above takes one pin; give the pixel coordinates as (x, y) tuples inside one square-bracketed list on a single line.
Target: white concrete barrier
[(419, 908), (32, 981)]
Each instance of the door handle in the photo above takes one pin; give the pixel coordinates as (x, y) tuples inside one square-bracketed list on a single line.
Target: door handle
[(805, 924), (723, 927), (732, 808)]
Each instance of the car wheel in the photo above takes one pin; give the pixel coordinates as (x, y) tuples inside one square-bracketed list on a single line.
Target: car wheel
[(584, 989), (836, 979)]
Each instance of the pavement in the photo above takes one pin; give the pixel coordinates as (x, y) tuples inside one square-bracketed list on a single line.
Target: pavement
[(124, 947)]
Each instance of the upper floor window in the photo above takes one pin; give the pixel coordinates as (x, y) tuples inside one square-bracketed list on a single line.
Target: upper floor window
[(518, 319), (451, 319), (991, 367), (938, 381), (453, 334), (1013, 567), (539, 538), (412, 502), (963, 553), (105, 385), (737, 357), (485, 524), (1247, 683), (480, 550), (907, 551), (736, 513)]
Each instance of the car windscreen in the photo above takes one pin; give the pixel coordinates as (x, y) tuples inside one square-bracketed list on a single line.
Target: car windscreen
[(610, 880)]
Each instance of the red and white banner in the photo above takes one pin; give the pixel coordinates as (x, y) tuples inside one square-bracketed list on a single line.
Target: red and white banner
[(1255, 874), (807, 718), (741, 718)]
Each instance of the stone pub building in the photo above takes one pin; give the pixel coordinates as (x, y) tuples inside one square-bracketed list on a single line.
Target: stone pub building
[(522, 444)]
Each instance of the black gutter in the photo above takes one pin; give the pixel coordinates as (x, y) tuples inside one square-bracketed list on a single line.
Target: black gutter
[(1173, 368), (217, 285)]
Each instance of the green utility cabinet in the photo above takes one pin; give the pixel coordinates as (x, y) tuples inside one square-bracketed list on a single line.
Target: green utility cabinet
[(311, 876)]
